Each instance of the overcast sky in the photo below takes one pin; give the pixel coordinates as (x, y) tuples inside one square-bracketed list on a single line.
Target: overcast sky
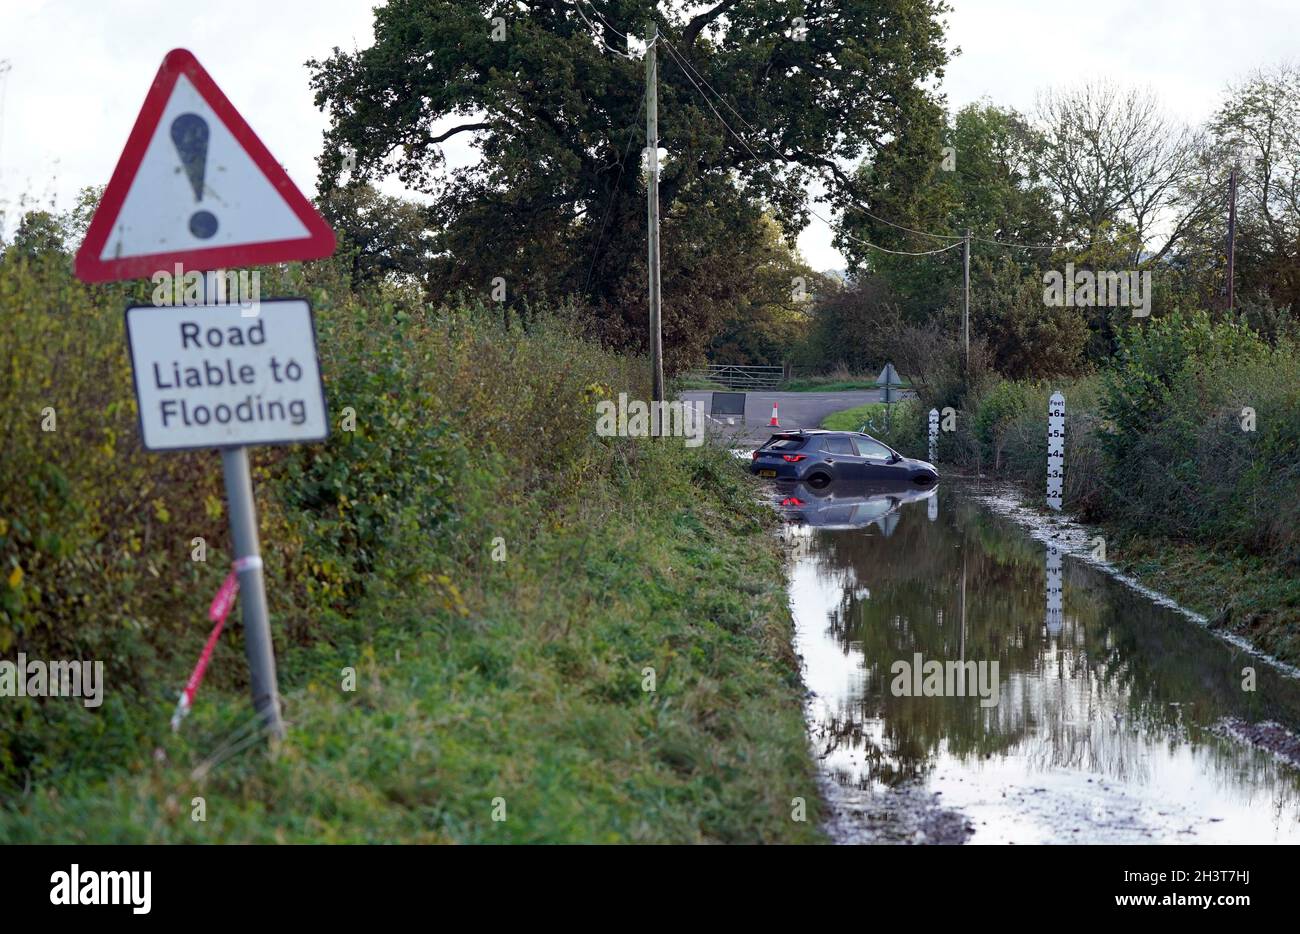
[(79, 69)]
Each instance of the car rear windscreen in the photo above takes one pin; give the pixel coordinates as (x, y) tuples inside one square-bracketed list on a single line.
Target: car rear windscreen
[(784, 444)]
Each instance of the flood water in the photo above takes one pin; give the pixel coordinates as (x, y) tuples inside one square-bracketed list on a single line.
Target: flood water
[(1101, 723)]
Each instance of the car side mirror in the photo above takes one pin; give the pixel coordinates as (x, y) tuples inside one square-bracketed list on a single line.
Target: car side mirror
[(895, 457)]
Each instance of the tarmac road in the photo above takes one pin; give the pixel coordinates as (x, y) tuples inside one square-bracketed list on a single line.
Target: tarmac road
[(795, 410)]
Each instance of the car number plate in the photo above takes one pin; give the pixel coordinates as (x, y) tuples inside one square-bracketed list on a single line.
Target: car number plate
[(767, 473)]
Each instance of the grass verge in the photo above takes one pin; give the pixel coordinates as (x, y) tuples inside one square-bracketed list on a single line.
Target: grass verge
[(481, 609), (1251, 596), (854, 418), (831, 384), (533, 705)]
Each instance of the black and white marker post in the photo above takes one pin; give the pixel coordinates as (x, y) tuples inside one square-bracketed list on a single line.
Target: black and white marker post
[(1056, 451)]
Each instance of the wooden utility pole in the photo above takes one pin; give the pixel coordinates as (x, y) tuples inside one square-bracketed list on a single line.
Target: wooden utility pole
[(1232, 235), (965, 307), (652, 199)]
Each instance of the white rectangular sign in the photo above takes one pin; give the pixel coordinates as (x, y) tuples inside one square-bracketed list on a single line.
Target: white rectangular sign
[(207, 376)]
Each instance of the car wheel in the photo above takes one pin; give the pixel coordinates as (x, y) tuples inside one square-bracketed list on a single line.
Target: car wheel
[(818, 479)]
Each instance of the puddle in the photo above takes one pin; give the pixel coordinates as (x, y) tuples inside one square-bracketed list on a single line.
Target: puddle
[(1105, 722)]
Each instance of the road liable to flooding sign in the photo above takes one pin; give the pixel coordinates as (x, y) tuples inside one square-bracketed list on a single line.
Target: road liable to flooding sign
[(207, 376)]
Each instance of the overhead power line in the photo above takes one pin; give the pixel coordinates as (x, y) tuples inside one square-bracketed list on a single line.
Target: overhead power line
[(686, 70), (956, 240), (601, 16), (595, 35)]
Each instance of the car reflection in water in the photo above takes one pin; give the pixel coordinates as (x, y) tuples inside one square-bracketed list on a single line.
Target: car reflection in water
[(845, 505)]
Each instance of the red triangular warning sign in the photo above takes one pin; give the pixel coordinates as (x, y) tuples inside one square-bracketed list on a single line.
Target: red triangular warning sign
[(196, 186)]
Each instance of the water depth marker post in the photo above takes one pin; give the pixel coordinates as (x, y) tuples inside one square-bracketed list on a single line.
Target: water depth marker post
[(1056, 451), (238, 370)]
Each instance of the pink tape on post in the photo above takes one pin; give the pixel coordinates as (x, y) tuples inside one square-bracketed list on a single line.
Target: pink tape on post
[(217, 612)]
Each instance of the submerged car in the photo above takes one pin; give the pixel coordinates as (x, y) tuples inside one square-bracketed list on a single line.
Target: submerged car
[(818, 457)]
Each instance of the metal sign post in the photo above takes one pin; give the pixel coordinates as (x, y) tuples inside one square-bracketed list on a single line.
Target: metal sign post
[(252, 591), (242, 509), (222, 375), (887, 380), (213, 377)]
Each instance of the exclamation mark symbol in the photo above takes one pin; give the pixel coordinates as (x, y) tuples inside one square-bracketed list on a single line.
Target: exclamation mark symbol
[(190, 137)]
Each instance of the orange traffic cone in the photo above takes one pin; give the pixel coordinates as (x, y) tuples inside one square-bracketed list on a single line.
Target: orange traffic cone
[(773, 423)]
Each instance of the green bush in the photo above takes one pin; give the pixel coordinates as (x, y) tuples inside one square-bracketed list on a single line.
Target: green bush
[(521, 677), (96, 535), (1200, 470), (1177, 459), (1154, 362), (1157, 442), (995, 410)]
